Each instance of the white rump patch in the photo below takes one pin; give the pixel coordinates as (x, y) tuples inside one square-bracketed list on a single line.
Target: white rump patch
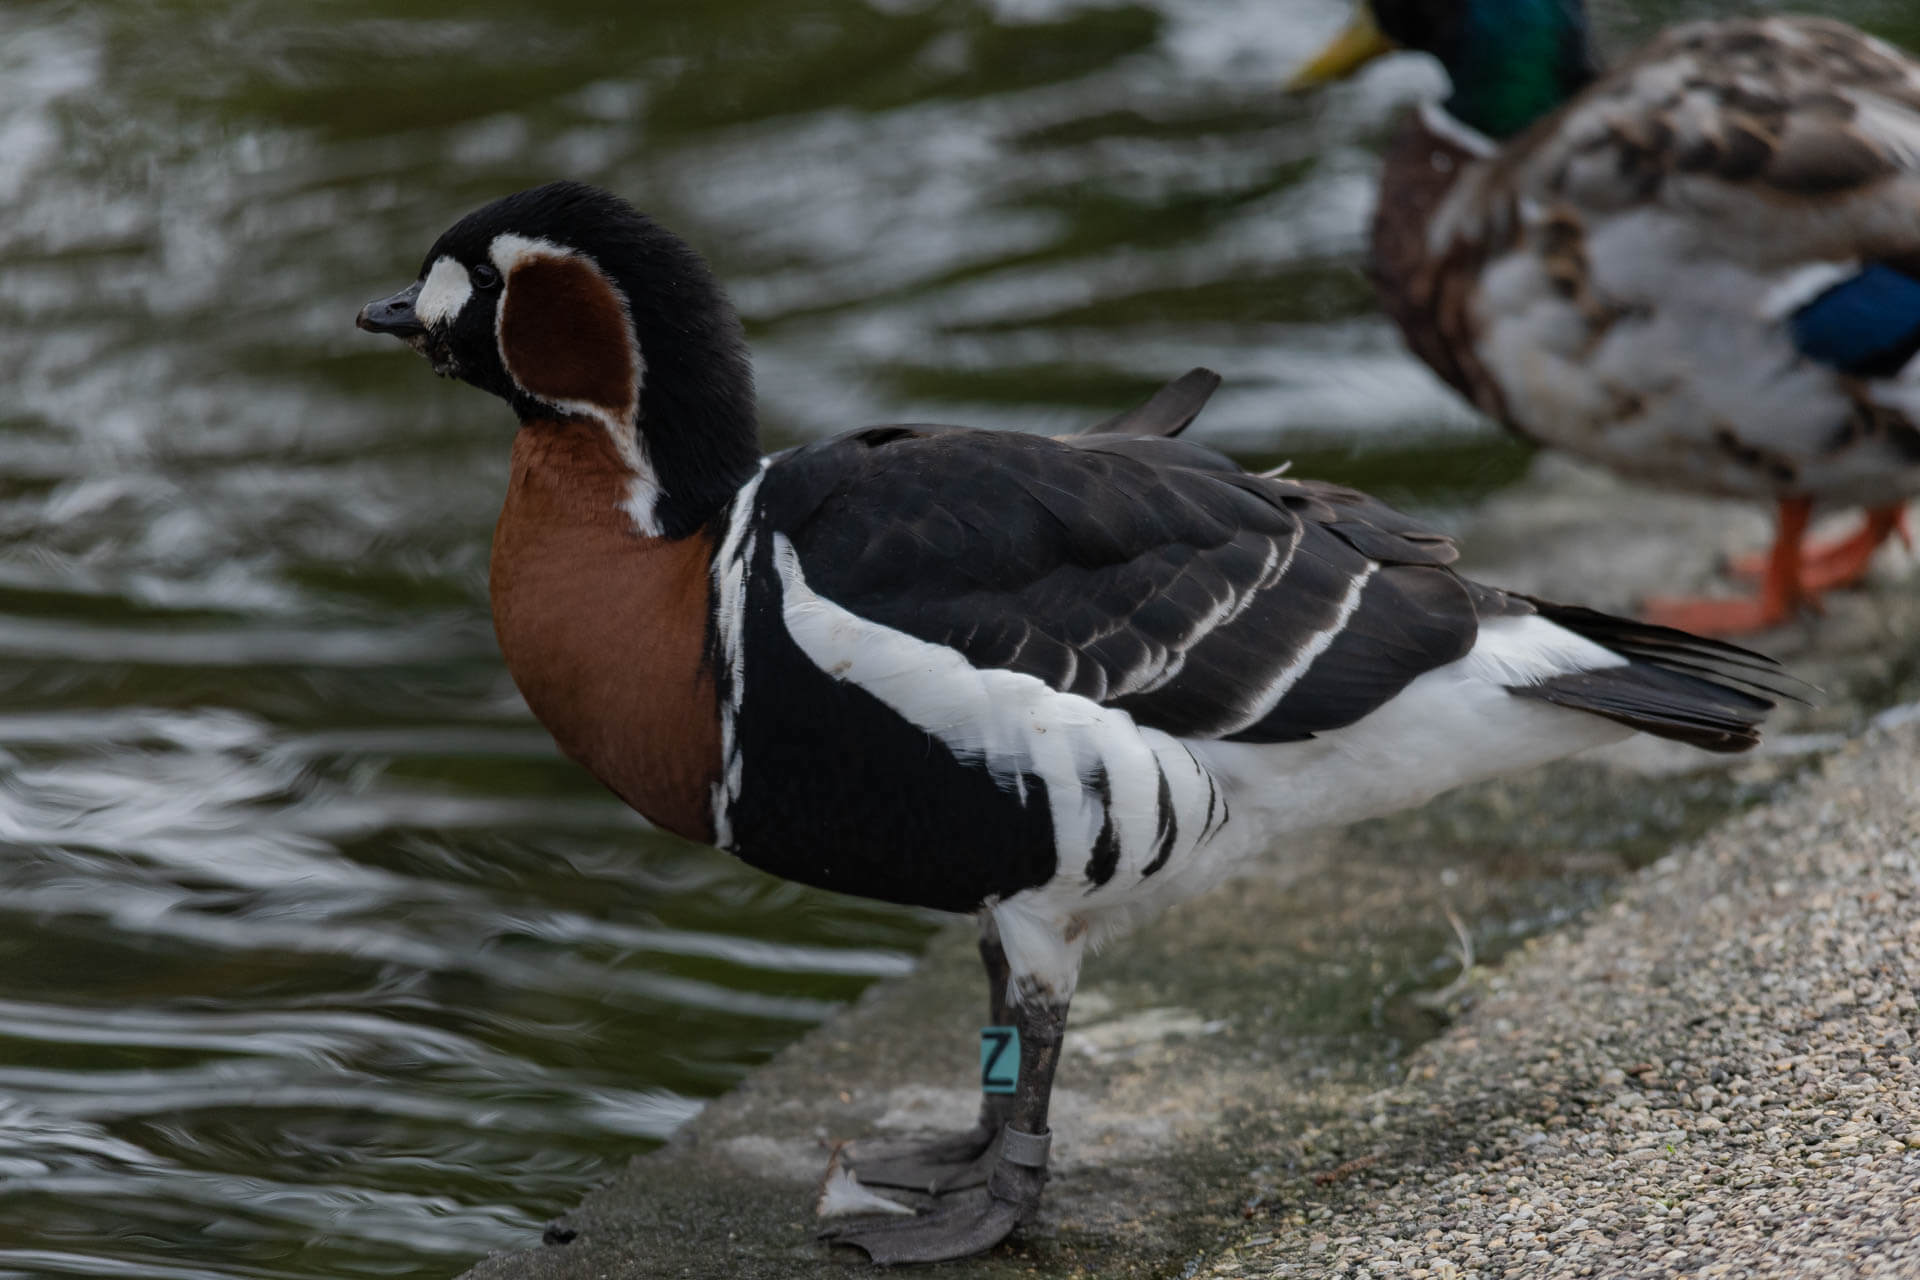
[(1530, 650), (444, 292), (1455, 724)]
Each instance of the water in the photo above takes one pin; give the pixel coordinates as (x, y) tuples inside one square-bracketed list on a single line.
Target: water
[(315, 959)]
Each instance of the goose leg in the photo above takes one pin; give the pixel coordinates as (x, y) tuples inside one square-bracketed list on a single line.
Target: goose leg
[(953, 1161), (972, 1220)]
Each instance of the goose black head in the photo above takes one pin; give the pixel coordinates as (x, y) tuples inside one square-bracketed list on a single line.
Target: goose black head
[(571, 305)]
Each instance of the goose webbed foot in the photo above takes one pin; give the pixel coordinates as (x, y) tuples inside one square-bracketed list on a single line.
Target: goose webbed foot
[(951, 1161), (930, 1166), (977, 1192), (962, 1221)]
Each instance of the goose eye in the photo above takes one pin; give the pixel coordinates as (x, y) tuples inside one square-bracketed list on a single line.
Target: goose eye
[(485, 277)]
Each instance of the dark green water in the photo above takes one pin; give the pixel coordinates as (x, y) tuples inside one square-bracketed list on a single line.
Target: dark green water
[(315, 959)]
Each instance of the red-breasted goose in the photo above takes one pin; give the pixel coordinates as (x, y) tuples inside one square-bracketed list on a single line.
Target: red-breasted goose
[(1058, 683)]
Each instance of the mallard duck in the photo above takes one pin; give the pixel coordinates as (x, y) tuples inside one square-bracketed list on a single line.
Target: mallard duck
[(1056, 683), (1701, 268)]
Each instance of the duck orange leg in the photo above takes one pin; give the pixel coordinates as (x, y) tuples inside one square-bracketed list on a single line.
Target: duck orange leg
[(1782, 589), (1825, 566)]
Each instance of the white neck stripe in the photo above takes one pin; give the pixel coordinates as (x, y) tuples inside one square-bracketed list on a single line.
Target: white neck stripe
[(622, 423)]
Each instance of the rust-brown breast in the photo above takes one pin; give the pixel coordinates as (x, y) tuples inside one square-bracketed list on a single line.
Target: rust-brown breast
[(604, 630)]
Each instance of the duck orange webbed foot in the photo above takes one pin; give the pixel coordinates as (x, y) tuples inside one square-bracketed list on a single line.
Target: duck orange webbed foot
[(1782, 588), (1841, 563)]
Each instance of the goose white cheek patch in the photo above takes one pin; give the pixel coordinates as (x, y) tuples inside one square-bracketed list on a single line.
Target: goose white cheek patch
[(444, 291)]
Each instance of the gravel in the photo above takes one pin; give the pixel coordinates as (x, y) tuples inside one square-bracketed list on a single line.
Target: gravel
[(1715, 1076)]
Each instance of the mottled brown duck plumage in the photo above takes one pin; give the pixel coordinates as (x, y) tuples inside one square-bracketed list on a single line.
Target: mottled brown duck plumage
[(1701, 268)]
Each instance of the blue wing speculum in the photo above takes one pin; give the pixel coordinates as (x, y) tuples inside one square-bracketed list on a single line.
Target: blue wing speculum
[(1867, 325)]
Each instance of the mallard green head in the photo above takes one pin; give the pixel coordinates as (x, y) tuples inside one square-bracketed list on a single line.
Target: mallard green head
[(1512, 61)]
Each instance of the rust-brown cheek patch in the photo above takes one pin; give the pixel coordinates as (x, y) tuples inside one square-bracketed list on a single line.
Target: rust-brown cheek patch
[(564, 335)]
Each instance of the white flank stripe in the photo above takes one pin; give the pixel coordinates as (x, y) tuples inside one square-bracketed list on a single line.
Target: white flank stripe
[(1290, 674), (1015, 725)]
